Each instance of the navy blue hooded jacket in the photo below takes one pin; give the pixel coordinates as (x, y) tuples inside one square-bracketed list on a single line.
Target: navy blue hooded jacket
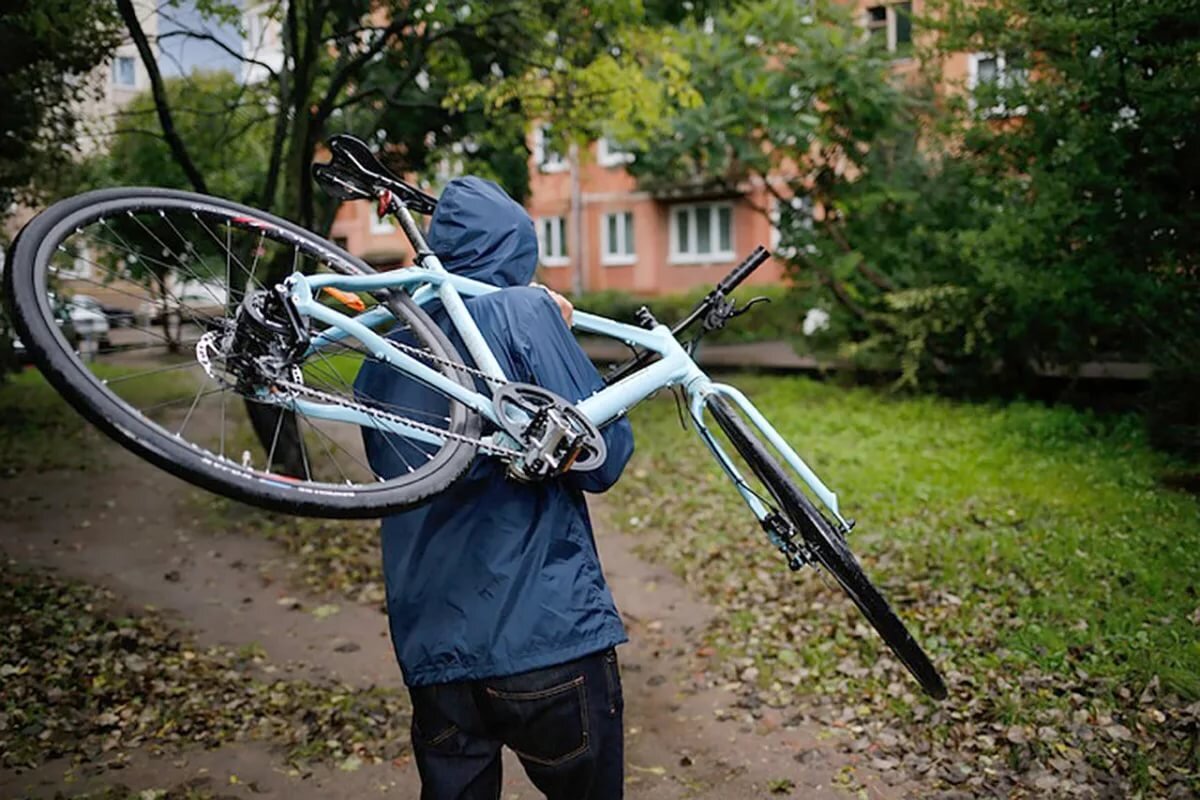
[(494, 577)]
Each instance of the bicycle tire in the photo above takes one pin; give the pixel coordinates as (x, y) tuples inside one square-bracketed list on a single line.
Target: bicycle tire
[(26, 286), (828, 547)]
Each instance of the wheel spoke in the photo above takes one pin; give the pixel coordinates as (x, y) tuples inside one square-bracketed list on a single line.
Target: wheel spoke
[(192, 410), (145, 254)]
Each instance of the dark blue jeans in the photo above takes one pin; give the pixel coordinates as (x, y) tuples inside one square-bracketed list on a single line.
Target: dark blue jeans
[(563, 722)]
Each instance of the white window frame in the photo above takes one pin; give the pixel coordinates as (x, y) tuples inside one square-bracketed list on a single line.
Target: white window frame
[(552, 249), (117, 72), (621, 253), (889, 22), (1005, 78), (609, 154), (547, 160), (689, 255)]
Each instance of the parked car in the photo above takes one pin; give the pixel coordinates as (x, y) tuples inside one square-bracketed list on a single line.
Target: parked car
[(117, 317), (89, 322), (63, 318), (190, 300)]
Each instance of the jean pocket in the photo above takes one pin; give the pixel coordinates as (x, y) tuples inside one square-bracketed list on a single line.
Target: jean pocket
[(431, 728), (545, 726)]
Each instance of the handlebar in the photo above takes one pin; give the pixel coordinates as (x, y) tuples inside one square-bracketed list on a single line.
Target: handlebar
[(743, 270), (726, 285)]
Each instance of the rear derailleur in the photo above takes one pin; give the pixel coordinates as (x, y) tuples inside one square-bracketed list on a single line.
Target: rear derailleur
[(555, 436)]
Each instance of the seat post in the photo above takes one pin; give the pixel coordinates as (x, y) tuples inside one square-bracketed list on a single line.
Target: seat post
[(411, 230)]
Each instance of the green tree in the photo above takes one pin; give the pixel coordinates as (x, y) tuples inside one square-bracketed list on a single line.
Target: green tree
[(225, 124), (379, 69), (794, 98), (591, 69), (1047, 217), (46, 76), (1084, 153)]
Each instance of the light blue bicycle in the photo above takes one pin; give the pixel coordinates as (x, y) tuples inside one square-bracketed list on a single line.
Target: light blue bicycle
[(239, 374)]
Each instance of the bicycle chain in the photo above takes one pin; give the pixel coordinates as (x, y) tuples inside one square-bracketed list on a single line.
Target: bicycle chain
[(488, 447), (296, 386), (408, 348)]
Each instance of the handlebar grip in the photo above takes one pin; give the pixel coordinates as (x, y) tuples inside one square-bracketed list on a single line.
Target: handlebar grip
[(743, 270)]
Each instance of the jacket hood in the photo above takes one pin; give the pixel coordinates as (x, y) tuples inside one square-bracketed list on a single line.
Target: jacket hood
[(479, 232)]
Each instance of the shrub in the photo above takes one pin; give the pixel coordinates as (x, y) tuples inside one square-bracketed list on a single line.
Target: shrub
[(780, 319)]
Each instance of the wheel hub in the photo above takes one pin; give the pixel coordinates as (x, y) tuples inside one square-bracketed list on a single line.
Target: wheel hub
[(262, 345)]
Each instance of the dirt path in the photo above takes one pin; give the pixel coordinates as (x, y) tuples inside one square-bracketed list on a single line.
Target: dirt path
[(131, 529)]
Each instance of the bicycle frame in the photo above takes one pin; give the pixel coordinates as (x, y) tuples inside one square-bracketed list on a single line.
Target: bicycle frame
[(675, 366)]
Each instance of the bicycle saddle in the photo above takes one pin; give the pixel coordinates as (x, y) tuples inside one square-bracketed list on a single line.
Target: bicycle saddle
[(354, 173)]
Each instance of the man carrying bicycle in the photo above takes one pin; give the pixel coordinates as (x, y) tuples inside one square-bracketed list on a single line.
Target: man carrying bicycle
[(500, 616)]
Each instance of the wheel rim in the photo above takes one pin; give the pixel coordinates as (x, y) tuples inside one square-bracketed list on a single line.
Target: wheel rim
[(181, 269)]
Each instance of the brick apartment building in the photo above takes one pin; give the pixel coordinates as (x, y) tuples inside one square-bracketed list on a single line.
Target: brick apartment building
[(616, 235)]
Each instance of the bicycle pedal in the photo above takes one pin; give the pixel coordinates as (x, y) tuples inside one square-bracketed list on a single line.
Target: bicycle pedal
[(556, 437)]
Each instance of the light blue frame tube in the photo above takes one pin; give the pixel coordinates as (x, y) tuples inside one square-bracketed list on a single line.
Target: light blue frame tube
[(301, 295), (674, 368)]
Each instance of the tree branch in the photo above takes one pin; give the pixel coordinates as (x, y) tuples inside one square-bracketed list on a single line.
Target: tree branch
[(178, 148), (211, 38), (349, 68), (835, 286)]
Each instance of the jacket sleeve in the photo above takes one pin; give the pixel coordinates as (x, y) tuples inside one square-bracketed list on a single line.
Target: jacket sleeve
[(556, 361)]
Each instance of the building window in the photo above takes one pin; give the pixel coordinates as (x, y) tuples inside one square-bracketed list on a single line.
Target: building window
[(552, 241), (380, 226), (547, 158), (124, 71), (702, 233), (611, 154), (891, 27), (618, 239), (991, 75)]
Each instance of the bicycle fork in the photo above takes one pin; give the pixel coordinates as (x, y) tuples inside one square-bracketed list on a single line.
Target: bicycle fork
[(778, 530)]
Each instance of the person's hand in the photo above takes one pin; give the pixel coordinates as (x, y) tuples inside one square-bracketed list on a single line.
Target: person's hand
[(564, 305)]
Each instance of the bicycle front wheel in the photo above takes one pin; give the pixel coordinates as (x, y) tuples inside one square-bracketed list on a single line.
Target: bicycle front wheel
[(128, 301), (827, 546)]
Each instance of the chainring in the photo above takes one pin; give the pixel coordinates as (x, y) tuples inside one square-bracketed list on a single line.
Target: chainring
[(520, 404)]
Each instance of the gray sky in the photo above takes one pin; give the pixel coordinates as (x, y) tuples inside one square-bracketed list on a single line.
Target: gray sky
[(180, 54)]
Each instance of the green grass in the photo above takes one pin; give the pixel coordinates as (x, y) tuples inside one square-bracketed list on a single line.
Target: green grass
[(1030, 549), (338, 369), (1052, 513), (39, 431)]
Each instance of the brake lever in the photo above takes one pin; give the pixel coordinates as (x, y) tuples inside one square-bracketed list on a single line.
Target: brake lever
[(724, 310), (737, 312)]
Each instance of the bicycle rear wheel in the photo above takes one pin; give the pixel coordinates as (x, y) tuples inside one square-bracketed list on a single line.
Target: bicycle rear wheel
[(827, 546), (159, 278)]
